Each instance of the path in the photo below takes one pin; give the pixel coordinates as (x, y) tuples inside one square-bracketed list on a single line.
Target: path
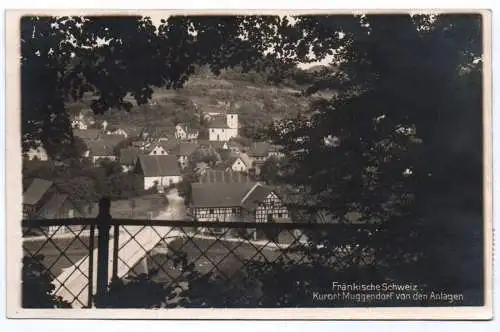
[(75, 278)]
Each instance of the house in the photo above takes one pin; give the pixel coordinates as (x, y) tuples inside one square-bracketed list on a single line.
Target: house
[(37, 153), (35, 195), (234, 147), (128, 157), (213, 145), (58, 206), (218, 201), (223, 127), (78, 123), (158, 150), (160, 171), (117, 131), (259, 151), (236, 201), (240, 163), (213, 176), (184, 132), (201, 168), (183, 150), (152, 134), (88, 135), (101, 150), (104, 148), (275, 151)]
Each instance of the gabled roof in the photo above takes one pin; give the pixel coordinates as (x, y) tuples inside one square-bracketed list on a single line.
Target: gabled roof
[(221, 194), (275, 148), (218, 121), (105, 145), (187, 129), (256, 196), (36, 190), (184, 149), (260, 149), (243, 157), (211, 144), (50, 209), (159, 165), (100, 149), (128, 156), (88, 134), (216, 176)]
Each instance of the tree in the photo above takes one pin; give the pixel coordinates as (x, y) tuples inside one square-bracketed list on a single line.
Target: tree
[(409, 90), (37, 286), (62, 58), (269, 170)]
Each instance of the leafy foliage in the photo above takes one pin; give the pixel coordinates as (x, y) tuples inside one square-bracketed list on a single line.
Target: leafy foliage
[(37, 286)]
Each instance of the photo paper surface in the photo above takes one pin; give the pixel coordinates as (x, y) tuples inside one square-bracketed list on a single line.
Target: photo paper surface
[(249, 165)]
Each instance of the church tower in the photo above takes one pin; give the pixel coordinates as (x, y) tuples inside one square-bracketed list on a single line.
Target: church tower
[(232, 120)]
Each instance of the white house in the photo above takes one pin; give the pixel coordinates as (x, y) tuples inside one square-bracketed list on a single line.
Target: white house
[(223, 127), (118, 131), (38, 153), (79, 124), (159, 171), (158, 150), (241, 163), (183, 132)]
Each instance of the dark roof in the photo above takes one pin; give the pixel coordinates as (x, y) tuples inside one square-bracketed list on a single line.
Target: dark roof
[(256, 196), (168, 145), (128, 156), (260, 149), (213, 176), (275, 148), (35, 191), (105, 145), (184, 149), (218, 121), (243, 157), (50, 209), (221, 194), (88, 134), (159, 165), (100, 149), (211, 144)]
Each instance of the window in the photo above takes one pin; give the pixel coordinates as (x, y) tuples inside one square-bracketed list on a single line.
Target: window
[(154, 151), (213, 130), (233, 210), (280, 215), (71, 213), (211, 211)]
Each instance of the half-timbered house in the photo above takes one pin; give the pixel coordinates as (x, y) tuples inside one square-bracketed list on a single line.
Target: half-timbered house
[(236, 201)]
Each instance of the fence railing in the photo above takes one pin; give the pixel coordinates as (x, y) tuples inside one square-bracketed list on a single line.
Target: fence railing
[(107, 262)]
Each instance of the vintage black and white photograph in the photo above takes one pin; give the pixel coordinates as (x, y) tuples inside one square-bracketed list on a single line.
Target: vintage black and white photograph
[(251, 160)]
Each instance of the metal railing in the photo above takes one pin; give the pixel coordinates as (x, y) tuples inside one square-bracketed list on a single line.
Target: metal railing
[(107, 262)]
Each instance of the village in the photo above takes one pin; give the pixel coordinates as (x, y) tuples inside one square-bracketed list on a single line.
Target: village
[(219, 178)]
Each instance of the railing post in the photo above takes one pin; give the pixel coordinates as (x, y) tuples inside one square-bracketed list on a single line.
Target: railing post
[(103, 226)]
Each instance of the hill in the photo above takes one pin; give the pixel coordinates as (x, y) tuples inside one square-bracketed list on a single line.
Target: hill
[(257, 102)]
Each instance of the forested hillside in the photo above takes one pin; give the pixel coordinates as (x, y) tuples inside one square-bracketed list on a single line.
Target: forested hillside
[(254, 96)]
